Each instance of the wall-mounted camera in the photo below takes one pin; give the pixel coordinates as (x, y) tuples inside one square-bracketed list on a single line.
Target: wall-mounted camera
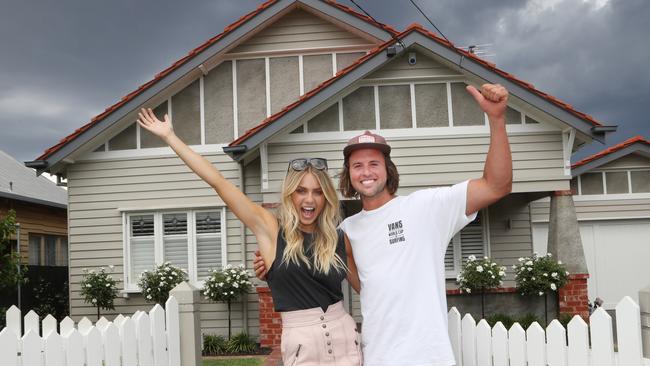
[(412, 59)]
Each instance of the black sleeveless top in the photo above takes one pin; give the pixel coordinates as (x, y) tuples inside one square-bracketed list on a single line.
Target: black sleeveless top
[(295, 287)]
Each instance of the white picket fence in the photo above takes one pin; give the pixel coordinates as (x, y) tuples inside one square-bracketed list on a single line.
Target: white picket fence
[(141, 340), (479, 345)]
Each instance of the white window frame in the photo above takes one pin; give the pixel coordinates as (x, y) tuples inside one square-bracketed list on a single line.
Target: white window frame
[(629, 195), (130, 285), (457, 246)]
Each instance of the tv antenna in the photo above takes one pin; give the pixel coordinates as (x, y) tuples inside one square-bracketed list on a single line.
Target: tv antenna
[(480, 50)]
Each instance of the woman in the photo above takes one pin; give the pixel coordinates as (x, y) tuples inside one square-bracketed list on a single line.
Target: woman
[(305, 253)]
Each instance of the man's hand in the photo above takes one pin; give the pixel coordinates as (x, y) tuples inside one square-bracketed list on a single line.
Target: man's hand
[(259, 266), (493, 100)]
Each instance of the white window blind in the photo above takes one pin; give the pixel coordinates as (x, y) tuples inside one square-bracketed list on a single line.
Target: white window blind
[(471, 240), (141, 245), (208, 242), (193, 240), (175, 239)]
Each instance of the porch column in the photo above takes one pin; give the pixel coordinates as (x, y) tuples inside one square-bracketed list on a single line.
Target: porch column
[(270, 320), (565, 244)]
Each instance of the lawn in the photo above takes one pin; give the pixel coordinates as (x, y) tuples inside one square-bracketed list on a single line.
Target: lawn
[(235, 361)]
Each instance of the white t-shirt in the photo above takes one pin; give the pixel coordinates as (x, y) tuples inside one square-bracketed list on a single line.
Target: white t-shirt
[(399, 250)]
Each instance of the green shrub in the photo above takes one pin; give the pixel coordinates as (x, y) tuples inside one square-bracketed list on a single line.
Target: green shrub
[(480, 275), (565, 319), (507, 320), (156, 284), (527, 319), (99, 288), (213, 345), (537, 275), (241, 343)]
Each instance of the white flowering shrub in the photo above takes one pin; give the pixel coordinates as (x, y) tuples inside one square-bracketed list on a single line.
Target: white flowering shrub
[(480, 275), (99, 288), (156, 284), (228, 284), (538, 275)]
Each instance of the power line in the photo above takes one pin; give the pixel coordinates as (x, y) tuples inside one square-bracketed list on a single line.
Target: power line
[(380, 24), (431, 22)]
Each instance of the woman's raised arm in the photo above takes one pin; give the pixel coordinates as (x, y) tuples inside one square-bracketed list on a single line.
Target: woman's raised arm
[(263, 224)]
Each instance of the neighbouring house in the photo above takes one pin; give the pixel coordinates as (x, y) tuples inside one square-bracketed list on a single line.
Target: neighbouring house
[(42, 233), (612, 203), (299, 78)]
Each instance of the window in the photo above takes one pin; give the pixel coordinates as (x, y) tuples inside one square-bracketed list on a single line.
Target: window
[(190, 239), (612, 182), (471, 240), (48, 250)]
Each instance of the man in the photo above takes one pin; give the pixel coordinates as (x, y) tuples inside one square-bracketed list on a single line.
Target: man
[(398, 244)]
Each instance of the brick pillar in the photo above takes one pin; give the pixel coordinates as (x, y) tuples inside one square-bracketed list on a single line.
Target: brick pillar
[(270, 321), (574, 298)]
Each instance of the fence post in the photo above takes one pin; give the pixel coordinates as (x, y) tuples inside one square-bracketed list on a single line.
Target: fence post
[(190, 325), (644, 304)]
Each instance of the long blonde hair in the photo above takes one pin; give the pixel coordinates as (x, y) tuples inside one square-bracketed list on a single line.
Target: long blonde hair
[(325, 233)]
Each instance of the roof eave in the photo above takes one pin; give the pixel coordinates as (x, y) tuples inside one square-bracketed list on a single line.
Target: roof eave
[(37, 201)]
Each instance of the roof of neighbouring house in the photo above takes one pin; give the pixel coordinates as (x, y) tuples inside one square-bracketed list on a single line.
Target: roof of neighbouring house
[(21, 183), (634, 144)]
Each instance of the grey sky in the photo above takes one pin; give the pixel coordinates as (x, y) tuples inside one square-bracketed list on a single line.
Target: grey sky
[(64, 61)]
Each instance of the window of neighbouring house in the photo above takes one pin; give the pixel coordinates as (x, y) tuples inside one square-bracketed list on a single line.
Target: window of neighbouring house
[(591, 183), (48, 250), (471, 240), (640, 181), (513, 117), (190, 239), (344, 60), (124, 140), (616, 182), (251, 93)]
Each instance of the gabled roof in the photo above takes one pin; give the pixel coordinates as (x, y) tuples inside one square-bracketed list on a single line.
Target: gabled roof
[(193, 60), (21, 183), (636, 144), (415, 34)]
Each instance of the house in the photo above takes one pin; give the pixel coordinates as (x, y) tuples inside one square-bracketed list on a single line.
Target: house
[(41, 213), (612, 203), (290, 79)]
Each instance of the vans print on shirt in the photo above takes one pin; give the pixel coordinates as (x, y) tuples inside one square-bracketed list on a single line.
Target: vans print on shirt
[(396, 232)]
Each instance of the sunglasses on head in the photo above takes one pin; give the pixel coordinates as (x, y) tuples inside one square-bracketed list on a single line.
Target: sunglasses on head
[(301, 164)]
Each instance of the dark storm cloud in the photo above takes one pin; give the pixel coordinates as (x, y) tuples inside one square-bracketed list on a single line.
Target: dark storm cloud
[(65, 61)]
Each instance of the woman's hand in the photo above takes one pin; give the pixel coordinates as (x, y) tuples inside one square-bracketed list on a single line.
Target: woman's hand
[(148, 120)]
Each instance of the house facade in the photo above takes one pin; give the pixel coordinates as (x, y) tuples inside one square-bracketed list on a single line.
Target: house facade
[(612, 202), (298, 79), (41, 236)]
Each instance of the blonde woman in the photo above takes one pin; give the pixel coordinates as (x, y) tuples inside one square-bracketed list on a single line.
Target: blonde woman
[(305, 253)]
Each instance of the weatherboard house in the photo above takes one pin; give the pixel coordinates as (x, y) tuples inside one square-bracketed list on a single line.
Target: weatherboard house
[(298, 79)]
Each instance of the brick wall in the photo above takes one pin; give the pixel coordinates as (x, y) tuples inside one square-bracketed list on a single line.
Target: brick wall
[(574, 297), (270, 321)]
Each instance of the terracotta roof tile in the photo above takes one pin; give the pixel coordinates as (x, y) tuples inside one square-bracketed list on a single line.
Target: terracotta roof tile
[(611, 149)]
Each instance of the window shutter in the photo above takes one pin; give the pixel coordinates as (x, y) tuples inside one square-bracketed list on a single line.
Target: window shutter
[(449, 258), (175, 239), (141, 245), (208, 242), (471, 239)]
